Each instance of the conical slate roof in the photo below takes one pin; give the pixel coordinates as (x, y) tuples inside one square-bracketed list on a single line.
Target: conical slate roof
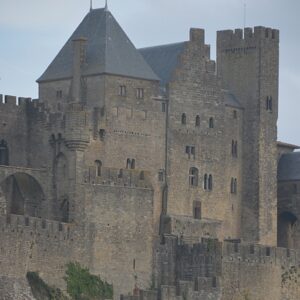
[(109, 51)]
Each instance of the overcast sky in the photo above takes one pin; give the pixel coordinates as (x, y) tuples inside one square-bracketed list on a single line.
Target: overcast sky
[(33, 31)]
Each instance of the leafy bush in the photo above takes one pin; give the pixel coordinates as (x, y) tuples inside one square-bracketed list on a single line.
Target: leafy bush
[(81, 285), (40, 290)]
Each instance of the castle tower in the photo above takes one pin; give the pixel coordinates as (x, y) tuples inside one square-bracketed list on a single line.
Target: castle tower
[(247, 65)]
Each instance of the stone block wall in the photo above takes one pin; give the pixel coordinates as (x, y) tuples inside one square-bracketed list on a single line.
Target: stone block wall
[(121, 220), (253, 56)]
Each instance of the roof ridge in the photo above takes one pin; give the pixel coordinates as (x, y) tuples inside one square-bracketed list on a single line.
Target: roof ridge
[(164, 45)]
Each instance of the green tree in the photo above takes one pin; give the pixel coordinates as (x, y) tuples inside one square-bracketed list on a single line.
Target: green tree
[(82, 285)]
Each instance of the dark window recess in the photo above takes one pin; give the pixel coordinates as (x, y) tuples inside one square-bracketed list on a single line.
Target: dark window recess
[(211, 123), (268, 251), (43, 224), (196, 285), (139, 93), (251, 249), (234, 148), (122, 90), (161, 176), (295, 189), (59, 94), (214, 282), (235, 114), (233, 186), (190, 151), (183, 119), (142, 175), (197, 210), (236, 247), (59, 106), (98, 165), (4, 153), (210, 182), (205, 182), (193, 176), (197, 122), (269, 104), (130, 163), (102, 134), (163, 107)]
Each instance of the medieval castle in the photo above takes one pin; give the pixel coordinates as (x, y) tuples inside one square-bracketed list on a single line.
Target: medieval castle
[(157, 168)]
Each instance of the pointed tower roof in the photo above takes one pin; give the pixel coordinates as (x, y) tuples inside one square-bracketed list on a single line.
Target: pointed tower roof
[(109, 51)]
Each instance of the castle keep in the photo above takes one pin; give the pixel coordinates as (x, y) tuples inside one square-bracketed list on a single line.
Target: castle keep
[(157, 168)]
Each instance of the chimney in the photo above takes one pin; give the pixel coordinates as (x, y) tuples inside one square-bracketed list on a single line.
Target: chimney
[(79, 47)]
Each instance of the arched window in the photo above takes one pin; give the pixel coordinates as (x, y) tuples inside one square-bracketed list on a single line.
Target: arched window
[(197, 123), (98, 165), (4, 155), (193, 176), (206, 182), (210, 182), (211, 122), (183, 119), (128, 163)]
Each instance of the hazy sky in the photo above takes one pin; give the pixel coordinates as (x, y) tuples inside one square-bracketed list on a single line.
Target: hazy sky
[(33, 31)]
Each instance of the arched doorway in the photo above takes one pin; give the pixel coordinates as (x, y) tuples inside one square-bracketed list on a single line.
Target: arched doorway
[(286, 232), (23, 194)]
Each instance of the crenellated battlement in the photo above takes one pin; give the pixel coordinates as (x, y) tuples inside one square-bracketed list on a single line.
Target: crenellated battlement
[(14, 100), (119, 177), (255, 253), (247, 35), (42, 227)]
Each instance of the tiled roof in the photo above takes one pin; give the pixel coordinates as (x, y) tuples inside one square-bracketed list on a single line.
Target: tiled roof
[(163, 59), (289, 167), (109, 51)]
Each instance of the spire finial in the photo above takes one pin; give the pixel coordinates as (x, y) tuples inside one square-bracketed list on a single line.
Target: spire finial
[(106, 7), (91, 5)]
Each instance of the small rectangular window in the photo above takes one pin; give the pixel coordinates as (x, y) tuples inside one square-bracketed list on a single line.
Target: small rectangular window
[(163, 107), (197, 210), (140, 93), (235, 114), (59, 94), (122, 90), (161, 176), (190, 151), (295, 189)]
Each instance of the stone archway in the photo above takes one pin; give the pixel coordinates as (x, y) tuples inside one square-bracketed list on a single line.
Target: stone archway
[(287, 230), (23, 195)]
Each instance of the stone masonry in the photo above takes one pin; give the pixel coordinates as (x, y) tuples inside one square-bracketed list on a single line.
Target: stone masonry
[(158, 169)]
